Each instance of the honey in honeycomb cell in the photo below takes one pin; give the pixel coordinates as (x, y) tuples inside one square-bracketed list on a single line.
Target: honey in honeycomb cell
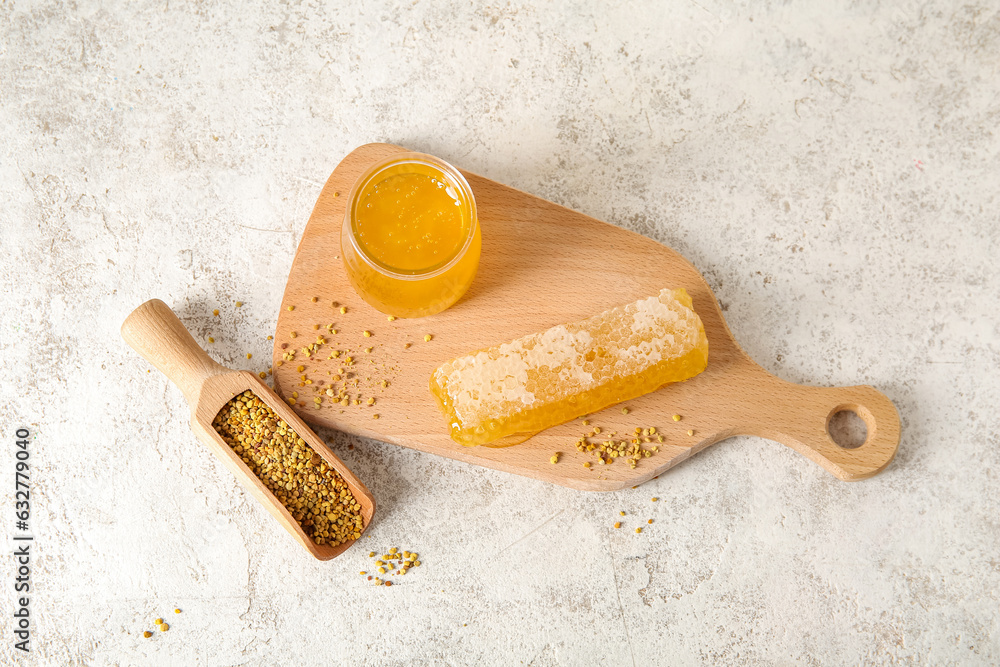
[(505, 394)]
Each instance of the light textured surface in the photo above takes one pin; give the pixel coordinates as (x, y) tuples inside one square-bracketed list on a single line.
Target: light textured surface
[(830, 167)]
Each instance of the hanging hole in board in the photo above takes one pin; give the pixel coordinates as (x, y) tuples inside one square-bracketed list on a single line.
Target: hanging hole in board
[(847, 428)]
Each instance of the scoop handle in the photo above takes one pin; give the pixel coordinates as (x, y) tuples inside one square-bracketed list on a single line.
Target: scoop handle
[(154, 331)]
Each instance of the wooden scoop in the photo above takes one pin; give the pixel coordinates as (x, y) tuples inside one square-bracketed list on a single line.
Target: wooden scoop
[(154, 331)]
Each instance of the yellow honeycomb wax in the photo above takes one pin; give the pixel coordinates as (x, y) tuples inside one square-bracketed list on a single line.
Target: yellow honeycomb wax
[(505, 394)]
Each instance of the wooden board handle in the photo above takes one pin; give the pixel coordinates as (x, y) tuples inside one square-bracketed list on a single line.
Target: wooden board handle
[(154, 331), (799, 416)]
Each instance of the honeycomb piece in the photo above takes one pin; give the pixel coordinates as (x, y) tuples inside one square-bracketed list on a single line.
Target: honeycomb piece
[(505, 394)]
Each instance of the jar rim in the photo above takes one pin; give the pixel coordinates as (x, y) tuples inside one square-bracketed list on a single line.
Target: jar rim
[(409, 157)]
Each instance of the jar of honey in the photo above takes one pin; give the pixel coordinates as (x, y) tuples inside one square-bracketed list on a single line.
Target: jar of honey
[(411, 239)]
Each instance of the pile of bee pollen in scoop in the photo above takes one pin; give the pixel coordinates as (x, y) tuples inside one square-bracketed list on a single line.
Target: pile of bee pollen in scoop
[(313, 492)]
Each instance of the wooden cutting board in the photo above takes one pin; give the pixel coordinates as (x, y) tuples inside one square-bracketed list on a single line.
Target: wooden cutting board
[(543, 265)]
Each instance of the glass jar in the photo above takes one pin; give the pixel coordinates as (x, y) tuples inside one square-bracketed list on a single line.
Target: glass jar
[(411, 239)]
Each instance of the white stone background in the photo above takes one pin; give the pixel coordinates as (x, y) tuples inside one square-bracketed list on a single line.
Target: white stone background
[(831, 168)]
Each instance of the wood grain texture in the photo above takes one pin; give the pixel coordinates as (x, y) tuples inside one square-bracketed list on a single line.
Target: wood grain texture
[(154, 331), (542, 265)]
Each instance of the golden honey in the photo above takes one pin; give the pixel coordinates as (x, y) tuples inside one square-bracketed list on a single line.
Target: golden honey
[(505, 394), (411, 239)]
